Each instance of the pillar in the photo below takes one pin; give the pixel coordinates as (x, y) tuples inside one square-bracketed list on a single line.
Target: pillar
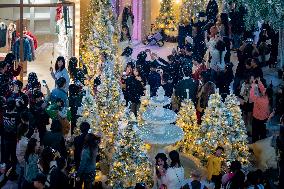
[(146, 18)]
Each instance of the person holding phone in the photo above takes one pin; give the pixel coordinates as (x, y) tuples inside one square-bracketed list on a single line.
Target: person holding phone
[(60, 71), (261, 110)]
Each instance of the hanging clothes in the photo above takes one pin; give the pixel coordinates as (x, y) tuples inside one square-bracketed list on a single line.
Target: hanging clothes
[(32, 45), (33, 37), (3, 32), (27, 49), (9, 36), (59, 12)]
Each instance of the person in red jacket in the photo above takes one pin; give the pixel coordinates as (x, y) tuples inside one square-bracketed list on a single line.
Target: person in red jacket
[(261, 110)]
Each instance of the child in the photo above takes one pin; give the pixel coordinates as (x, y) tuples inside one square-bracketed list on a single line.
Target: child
[(214, 167), (195, 183)]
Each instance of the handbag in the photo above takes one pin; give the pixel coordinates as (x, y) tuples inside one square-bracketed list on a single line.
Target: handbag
[(65, 125)]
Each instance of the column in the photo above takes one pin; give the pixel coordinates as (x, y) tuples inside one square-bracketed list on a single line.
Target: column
[(146, 18)]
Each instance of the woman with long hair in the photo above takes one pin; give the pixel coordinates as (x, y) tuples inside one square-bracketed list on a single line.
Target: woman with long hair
[(60, 71), (225, 33), (135, 89), (47, 163), (31, 159), (206, 88), (217, 63), (128, 19), (125, 34), (175, 173), (76, 74), (87, 168), (160, 171), (261, 109)]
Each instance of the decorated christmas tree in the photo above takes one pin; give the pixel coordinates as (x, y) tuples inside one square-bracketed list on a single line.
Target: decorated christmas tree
[(99, 53), (190, 8), (267, 10), (166, 19), (145, 101), (238, 134), (187, 120), (213, 129), (100, 36), (130, 161), (88, 112)]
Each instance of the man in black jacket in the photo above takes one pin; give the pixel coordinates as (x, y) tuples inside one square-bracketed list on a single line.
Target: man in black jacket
[(187, 83), (4, 79), (79, 143), (154, 79)]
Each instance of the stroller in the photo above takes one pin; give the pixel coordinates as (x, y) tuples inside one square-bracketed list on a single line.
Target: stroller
[(156, 38)]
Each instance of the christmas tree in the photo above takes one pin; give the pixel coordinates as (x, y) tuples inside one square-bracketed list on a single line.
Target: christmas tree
[(267, 10), (213, 129), (238, 134), (100, 47), (187, 120), (166, 19), (88, 112), (145, 102), (130, 161), (190, 8), (100, 36)]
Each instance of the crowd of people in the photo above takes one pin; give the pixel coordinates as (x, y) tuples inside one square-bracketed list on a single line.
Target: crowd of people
[(214, 54), (33, 156)]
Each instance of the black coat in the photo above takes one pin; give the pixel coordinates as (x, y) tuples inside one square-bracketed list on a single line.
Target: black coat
[(183, 31), (168, 87), (187, 84), (237, 182), (144, 66), (78, 147), (56, 141), (212, 10), (237, 21), (199, 46), (134, 89), (154, 80), (59, 180), (4, 85)]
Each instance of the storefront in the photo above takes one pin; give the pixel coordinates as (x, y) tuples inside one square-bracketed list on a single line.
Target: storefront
[(37, 32)]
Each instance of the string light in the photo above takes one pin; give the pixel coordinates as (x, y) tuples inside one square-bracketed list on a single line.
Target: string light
[(166, 19), (187, 120)]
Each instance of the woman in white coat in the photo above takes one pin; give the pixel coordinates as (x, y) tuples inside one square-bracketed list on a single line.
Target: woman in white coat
[(175, 173), (60, 71)]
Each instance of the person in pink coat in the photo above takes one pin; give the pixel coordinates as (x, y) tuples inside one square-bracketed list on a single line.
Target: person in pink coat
[(261, 110)]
